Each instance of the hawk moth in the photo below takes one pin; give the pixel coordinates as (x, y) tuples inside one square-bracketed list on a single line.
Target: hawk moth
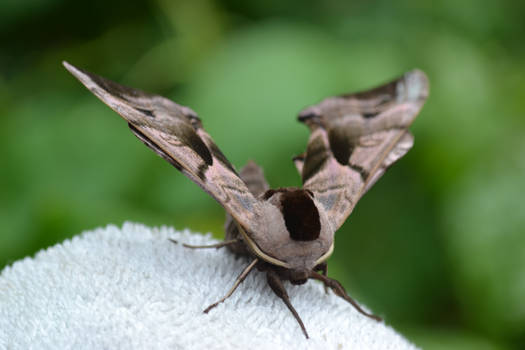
[(287, 232)]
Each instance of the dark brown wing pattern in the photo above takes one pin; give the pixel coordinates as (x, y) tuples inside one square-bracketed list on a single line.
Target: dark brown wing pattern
[(175, 133), (355, 138)]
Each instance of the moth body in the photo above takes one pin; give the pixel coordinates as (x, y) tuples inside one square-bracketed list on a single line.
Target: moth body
[(288, 233)]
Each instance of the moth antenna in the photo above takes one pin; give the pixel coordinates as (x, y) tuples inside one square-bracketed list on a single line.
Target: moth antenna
[(277, 286), (340, 291), (239, 280), (216, 245)]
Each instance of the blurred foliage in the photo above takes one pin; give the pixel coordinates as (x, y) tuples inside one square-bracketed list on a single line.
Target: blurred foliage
[(437, 246)]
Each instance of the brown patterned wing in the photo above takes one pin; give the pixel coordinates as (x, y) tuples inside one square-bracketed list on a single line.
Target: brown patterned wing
[(175, 133), (355, 138)]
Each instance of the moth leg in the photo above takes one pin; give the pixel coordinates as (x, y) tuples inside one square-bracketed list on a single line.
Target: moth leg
[(216, 245), (277, 286), (323, 267), (238, 281), (340, 291)]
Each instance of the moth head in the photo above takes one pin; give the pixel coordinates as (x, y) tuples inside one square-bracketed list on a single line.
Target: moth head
[(295, 233), (299, 276)]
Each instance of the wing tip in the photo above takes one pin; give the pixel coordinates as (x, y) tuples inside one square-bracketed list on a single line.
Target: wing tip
[(83, 76), (71, 68), (417, 84)]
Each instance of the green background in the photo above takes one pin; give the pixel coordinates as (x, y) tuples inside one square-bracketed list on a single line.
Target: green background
[(437, 247)]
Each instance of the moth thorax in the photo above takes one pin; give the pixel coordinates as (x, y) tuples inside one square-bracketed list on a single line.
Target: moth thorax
[(300, 215)]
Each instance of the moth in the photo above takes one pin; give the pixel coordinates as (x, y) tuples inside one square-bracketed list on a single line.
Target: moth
[(288, 233)]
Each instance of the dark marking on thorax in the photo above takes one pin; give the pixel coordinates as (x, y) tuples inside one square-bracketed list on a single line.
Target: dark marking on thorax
[(300, 215)]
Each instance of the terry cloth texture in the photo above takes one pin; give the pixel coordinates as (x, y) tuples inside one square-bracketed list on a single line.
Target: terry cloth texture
[(131, 288)]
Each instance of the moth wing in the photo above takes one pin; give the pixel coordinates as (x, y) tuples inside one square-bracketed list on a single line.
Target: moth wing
[(299, 162), (175, 133), (253, 176), (355, 138)]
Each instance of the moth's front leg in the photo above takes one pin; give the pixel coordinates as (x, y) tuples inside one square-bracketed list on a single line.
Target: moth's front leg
[(340, 291), (323, 268), (278, 288), (238, 281)]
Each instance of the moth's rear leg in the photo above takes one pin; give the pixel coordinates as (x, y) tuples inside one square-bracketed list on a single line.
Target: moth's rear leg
[(277, 286), (340, 291), (216, 245), (238, 281)]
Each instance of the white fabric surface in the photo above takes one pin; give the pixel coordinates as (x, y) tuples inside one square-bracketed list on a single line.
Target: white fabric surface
[(130, 288)]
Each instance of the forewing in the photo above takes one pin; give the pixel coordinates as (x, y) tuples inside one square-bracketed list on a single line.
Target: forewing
[(355, 138), (175, 133)]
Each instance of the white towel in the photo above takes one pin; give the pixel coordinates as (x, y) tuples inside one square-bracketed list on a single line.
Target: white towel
[(131, 288)]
